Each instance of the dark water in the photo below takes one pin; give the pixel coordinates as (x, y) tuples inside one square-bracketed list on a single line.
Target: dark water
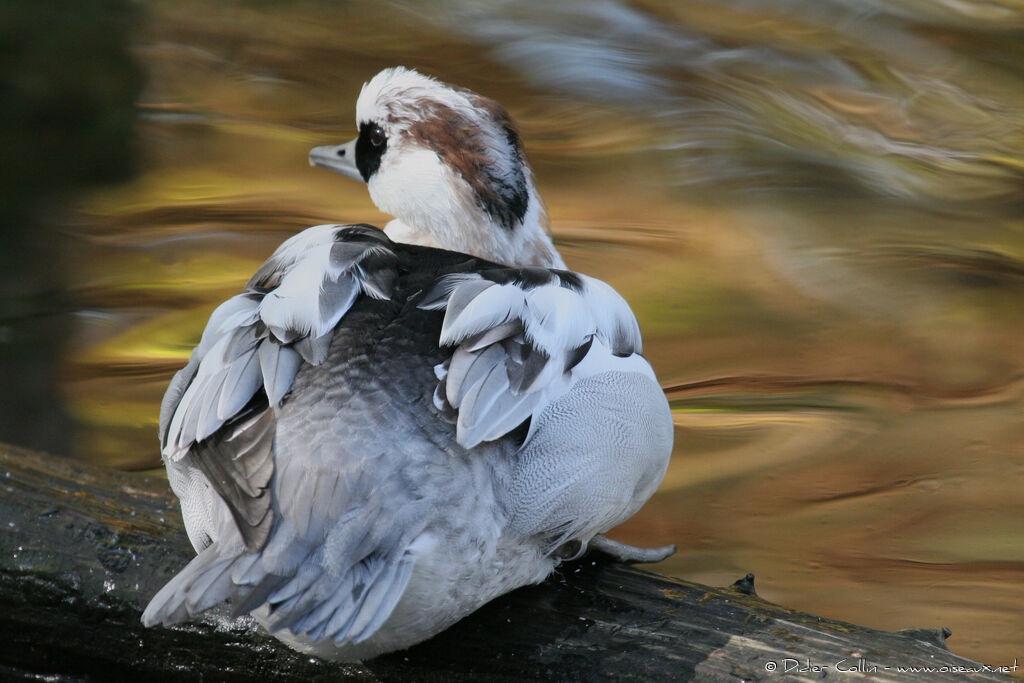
[(815, 207)]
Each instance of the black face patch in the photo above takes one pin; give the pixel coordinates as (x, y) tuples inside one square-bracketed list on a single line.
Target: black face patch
[(370, 147)]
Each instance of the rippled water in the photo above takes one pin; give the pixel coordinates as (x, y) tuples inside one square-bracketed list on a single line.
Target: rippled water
[(814, 206)]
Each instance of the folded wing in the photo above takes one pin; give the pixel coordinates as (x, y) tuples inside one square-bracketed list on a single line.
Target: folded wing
[(217, 419), (521, 337), (561, 351)]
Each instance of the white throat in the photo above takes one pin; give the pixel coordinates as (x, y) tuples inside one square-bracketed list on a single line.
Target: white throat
[(434, 207)]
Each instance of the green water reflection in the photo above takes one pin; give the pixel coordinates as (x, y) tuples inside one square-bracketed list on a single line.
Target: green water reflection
[(815, 208)]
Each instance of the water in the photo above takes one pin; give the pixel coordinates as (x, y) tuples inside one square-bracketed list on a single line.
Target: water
[(814, 207)]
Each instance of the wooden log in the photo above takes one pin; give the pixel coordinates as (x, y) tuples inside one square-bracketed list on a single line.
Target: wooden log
[(83, 548)]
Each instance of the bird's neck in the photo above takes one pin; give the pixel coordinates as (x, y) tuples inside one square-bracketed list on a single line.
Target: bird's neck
[(470, 230)]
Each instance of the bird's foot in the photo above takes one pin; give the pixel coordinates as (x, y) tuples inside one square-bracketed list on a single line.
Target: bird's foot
[(629, 554)]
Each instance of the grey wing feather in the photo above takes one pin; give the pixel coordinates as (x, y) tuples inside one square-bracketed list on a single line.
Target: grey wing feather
[(278, 364), (378, 602), (248, 362), (521, 337), (561, 350), (467, 369), (313, 350), (251, 351), (178, 600), (336, 297), (172, 397), (240, 384), (491, 410), (238, 464)]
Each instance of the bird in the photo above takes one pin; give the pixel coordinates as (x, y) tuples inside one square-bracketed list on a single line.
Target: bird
[(387, 429)]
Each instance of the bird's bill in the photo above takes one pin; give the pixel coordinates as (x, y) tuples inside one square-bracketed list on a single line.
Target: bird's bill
[(339, 158)]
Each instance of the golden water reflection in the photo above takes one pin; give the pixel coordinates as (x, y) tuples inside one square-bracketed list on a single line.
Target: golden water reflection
[(813, 207)]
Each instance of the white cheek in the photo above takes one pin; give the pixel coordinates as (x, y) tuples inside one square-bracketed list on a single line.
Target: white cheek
[(414, 183)]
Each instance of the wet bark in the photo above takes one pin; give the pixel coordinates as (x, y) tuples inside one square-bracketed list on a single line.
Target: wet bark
[(83, 548)]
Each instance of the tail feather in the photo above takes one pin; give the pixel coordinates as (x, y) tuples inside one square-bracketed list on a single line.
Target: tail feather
[(315, 602), (380, 601), (181, 598), (211, 587), (258, 594), (324, 598)]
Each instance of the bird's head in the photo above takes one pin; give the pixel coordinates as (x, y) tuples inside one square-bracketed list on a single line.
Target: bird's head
[(448, 165)]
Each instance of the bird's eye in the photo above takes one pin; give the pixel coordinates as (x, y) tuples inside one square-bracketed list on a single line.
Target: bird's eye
[(371, 145)]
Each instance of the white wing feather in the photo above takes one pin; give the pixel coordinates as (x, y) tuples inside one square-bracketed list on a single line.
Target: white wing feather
[(524, 339), (259, 339)]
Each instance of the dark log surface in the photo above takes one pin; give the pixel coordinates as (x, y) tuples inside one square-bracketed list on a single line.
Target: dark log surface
[(83, 548)]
